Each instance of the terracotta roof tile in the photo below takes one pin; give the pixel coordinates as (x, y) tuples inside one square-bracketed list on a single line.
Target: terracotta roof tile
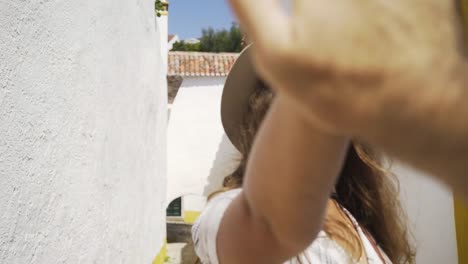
[(200, 64)]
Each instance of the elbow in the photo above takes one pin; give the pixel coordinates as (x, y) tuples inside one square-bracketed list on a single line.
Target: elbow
[(293, 238)]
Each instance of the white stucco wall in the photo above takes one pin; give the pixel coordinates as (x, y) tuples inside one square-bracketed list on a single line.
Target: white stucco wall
[(193, 203), (162, 23), (199, 154), (430, 209), (82, 132)]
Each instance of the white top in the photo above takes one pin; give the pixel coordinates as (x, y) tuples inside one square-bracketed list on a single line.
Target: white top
[(322, 251)]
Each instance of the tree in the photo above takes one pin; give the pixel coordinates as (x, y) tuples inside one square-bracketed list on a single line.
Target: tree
[(182, 46), (236, 38), (215, 41), (221, 40)]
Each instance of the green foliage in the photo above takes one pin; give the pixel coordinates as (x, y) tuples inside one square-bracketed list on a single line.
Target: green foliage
[(158, 7), (215, 41), (182, 46), (222, 40)]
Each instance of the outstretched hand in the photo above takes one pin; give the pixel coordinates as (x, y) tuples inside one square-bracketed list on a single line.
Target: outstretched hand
[(348, 65)]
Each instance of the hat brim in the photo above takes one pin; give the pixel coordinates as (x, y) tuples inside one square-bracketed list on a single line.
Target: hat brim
[(240, 84)]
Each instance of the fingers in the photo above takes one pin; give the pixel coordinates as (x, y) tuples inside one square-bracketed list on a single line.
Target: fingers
[(264, 21)]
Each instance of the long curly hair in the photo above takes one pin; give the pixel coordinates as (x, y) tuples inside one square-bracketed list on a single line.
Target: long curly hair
[(365, 188)]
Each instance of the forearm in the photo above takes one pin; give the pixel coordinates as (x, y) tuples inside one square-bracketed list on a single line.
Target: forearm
[(292, 169)]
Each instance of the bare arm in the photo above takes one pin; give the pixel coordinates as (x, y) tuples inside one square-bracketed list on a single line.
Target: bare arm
[(292, 169)]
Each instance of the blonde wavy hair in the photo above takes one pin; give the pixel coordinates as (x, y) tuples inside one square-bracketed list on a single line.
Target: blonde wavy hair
[(365, 188)]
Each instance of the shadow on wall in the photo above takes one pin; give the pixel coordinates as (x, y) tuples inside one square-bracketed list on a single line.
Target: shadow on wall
[(226, 161), (173, 86), (181, 253)]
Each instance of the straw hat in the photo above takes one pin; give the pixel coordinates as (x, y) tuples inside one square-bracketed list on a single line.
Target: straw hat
[(240, 85)]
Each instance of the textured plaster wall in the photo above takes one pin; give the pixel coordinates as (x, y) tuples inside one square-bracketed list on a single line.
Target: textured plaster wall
[(199, 154), (162, 23), (82, 132)]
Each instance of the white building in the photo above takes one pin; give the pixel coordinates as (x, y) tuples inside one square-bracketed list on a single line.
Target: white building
[(82, 132), (171, 39), (199, 156), (192, 41)]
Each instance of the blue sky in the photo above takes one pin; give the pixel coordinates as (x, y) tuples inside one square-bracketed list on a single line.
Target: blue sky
[(188, 17)]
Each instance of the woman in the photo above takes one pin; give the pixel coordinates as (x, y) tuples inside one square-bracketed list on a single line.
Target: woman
[(271, 210)]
